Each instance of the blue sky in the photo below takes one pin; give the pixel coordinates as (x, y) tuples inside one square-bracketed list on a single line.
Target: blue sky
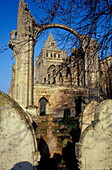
[(8, 20), (8, 15)]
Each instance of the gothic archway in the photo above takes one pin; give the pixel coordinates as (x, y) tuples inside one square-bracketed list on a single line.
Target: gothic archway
[(51, 74), (43, 104), (61, 26), (41, 28)]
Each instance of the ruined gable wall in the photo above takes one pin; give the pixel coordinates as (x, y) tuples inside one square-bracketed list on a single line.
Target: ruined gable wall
[(22, 43), (90, 49)]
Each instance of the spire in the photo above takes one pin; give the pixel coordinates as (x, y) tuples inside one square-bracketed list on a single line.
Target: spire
[(21, 2), (50, 37), (50, 42)]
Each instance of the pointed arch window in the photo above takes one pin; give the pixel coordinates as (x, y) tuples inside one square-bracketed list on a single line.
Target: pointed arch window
[(60, 78), (48, 78), (53, 77), (68, 75), (43, 102), (54, 55), (46, 54)]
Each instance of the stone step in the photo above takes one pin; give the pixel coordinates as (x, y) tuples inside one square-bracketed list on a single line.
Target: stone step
[(42, 126), (41, 122), (43, 118)]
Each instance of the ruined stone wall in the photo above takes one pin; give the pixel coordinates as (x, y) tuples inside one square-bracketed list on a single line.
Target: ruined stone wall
[(106, 78), (22, 43), (58, 97), (90, 49), (53, 66)]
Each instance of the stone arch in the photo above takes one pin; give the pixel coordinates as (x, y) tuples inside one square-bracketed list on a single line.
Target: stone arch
[(51, 68), (51, 74), (75, 75), (80, 37), (59, 78), (43, 106), (85, 46), (68, 76), (61, 26)]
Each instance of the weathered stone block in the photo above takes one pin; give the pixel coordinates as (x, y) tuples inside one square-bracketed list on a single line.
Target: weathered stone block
[(95, 147), (88, 114), (18, 147)]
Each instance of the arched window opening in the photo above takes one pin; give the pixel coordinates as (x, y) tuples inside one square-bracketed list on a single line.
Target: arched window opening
[(75, 76), (51, 54), (46, 54), (48, 78), (68, 72), (66, 116), (68, 76), (50, 69), (60, 78), (44, 80), (15, 35), (51, 74), (43, 102), (53, 77), (30, 29), (78, 104)]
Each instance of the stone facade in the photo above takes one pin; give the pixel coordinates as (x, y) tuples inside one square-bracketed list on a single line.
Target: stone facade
[(61, 86), (106, 78), (57, 82), (48, 63), (22, 43)]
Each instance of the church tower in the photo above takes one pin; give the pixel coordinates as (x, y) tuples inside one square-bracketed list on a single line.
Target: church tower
[(22, 43), (49, 61)]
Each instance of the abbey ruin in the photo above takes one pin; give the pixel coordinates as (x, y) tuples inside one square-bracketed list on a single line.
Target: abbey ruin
[(59, 87), (56, 80)]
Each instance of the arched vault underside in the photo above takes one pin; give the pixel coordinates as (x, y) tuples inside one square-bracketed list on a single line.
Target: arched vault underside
[(61, 26)]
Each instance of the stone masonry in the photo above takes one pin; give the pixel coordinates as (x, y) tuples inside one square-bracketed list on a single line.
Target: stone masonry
[(56, 76)]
